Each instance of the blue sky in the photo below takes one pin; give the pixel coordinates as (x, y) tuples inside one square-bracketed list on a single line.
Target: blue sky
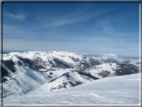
[(95, 28)]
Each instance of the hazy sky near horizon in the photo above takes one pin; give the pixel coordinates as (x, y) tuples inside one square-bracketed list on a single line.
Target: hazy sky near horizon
[(96, 28)]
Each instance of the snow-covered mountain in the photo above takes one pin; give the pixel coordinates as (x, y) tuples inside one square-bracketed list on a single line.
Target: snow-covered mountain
[(45, 61), (26, 71)]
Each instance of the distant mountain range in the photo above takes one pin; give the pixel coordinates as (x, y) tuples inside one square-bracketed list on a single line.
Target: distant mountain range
[(26, 71)]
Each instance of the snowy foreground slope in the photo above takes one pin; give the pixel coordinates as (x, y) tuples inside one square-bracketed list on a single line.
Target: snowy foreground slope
[(113, 90)]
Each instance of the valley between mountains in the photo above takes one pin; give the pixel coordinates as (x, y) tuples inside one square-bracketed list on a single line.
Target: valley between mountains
[(35, 73)]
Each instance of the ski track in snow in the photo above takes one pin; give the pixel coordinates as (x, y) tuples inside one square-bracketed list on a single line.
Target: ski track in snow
[(112, 90)]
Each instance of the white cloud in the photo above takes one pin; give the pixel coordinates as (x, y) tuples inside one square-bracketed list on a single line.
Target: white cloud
[(61, 22), (72, 17), (20, 15)]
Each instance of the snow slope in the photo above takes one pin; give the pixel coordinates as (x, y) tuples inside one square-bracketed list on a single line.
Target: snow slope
[(66, 80), (114, 90), (24, 80)]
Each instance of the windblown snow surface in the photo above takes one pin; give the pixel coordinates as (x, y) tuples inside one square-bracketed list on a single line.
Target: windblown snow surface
[(113, 90)]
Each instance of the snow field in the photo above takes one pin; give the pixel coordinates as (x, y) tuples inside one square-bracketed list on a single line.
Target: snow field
[(114, 90)]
